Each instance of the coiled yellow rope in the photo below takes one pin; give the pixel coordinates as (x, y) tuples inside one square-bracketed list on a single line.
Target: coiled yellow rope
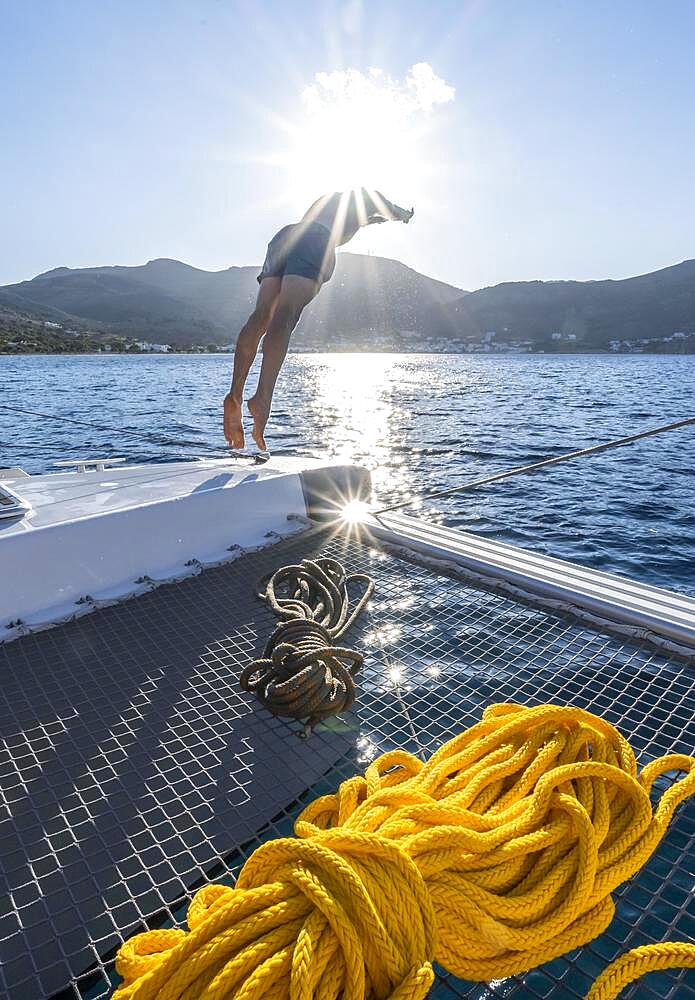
[(498, 854)]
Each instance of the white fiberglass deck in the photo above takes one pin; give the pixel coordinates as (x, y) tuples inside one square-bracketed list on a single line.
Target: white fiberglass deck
[(59, 497), (100, 535)]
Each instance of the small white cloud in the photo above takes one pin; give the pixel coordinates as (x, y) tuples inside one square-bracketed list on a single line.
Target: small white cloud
[(426, 88), (420, 91)]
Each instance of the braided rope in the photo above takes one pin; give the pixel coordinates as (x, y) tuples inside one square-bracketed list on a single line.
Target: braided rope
[(498, 854), (302, 674), (638, 962)]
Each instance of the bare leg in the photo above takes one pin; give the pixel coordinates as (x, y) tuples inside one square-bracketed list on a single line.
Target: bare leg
[(246, 347), (296, 292)]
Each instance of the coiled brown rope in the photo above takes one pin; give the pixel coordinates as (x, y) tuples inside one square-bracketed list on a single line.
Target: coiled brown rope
[(302, 674)]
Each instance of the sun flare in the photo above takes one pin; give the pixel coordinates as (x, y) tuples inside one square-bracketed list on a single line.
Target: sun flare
[(355, 512)]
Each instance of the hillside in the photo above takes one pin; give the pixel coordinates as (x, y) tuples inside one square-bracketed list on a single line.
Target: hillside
[(168, 301), (376, 294), (21, 333), (593, 312), (119, 299)]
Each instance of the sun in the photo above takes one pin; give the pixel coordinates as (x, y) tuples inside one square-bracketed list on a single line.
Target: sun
[(355, 512), (353, 143), (360, 129)]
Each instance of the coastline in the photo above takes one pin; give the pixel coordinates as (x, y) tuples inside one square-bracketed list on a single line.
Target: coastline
[(598, 352)]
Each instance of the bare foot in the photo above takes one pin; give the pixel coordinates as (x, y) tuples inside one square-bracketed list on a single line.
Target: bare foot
[(233, 426), (260, 411)]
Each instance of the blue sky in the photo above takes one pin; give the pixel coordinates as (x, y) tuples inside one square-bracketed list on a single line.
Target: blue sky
[(164, 129)]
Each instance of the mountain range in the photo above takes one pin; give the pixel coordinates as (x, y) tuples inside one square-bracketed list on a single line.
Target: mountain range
[(653, 305), (171, 302)]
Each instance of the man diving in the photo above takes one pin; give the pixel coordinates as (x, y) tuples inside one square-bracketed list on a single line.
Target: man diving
[(300, 258)]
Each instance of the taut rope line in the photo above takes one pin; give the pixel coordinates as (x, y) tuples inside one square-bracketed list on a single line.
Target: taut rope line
[(498, 854), (302, 673), (580, 453), (150, 438)]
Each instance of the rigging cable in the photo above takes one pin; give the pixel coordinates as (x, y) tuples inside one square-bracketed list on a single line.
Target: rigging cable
[(151, 438), (580, 453)]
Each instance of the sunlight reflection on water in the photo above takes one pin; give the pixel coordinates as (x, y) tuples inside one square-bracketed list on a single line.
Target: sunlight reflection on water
[(357, 394)]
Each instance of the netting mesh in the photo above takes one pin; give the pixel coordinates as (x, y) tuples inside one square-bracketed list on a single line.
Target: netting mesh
[(133, 770)]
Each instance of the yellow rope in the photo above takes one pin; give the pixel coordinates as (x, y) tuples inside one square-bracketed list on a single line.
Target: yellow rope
[(498, 854), (636, 963)]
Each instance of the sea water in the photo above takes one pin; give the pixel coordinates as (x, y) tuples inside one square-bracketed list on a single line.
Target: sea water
[(421, 423)]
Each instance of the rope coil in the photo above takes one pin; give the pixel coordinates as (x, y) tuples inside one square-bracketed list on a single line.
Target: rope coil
[(498, 854), (302, 674)]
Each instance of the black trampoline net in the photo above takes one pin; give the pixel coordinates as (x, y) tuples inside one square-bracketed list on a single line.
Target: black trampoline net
[(133, 770)]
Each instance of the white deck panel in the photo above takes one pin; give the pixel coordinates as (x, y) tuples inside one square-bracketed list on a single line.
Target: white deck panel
[(95, 536), (58, 497)]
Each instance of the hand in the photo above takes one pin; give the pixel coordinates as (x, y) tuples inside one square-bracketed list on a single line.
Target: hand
[(408, 215), (233, 425)]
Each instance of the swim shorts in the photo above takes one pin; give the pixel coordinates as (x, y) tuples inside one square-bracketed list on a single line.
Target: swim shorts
[(304, 250)]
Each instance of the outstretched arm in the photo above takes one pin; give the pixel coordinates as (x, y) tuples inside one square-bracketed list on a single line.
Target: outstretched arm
[(380, 209)]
